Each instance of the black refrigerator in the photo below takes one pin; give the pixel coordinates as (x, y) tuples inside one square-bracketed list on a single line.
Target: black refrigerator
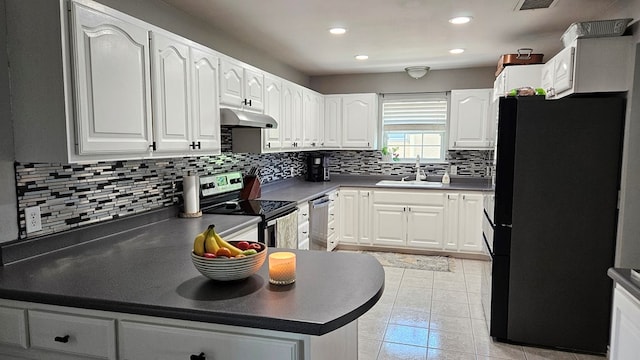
[(554, 221)]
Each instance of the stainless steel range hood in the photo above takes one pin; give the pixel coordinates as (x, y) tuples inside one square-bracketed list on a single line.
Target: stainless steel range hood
[(239, 118)]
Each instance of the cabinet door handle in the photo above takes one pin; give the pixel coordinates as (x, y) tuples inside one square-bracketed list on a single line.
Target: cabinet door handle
[(198, 145), (268, 144), (61, 339), (198, 357), (153, 146)]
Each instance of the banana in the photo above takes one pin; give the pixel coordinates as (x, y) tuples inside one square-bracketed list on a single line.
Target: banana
[(222, 243), (210, 244), (198, 244)]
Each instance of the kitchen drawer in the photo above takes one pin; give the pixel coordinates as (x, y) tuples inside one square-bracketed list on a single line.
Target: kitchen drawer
[(303, 213), (331, 227), (13, 330), (399, 197), (79, 335), (303, 231), (332, 242), (140, 341)]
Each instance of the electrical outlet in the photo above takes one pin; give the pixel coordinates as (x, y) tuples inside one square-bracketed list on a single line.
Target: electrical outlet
[(454, 170), (293, 171), (32, 218)]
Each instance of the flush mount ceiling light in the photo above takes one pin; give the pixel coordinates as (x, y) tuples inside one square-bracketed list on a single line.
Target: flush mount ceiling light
[(417, 72), (456, 51), (362, 57), (337, 30), (460, 20)]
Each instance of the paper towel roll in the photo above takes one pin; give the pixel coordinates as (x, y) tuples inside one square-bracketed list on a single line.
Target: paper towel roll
[(191, 194)]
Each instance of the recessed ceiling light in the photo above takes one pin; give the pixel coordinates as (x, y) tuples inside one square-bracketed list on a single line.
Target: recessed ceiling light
[(337, 30), (456, 51), (362, 57), (460, 20)]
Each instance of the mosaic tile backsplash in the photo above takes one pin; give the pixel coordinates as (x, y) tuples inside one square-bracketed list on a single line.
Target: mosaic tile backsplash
[(73, 195)]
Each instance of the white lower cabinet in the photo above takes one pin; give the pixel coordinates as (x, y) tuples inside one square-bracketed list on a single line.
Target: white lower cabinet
[(416, 219), (408, 219), (463, 228), (77, 335), (13, 330), (334, 220), (355, 216), (39, 331), (625, 326), (303, 226), (139, 341)]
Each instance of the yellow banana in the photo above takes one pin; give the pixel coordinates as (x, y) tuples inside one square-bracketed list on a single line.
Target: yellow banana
[(198, 243), (222, 243), (210, 244)]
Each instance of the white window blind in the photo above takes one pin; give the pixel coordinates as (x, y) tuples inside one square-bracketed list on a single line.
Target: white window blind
[(415, 124)]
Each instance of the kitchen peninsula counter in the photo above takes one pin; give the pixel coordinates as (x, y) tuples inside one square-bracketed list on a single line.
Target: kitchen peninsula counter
[(148, 271)]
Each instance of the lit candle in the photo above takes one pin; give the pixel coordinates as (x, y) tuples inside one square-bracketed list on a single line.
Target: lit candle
[(282, 268)]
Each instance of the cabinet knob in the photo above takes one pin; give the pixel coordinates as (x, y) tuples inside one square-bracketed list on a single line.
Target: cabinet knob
[(198, 357), (61, 339)]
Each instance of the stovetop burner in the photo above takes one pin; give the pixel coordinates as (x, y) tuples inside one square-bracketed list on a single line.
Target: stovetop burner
[(266, 208)]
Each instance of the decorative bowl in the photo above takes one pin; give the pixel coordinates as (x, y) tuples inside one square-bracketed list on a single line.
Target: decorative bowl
[(227, 269)]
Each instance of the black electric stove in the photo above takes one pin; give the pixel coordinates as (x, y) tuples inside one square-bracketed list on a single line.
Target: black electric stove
[(219, 194), (267, 209)]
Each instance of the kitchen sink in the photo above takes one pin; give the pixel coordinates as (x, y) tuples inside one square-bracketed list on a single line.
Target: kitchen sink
[(409, 183)]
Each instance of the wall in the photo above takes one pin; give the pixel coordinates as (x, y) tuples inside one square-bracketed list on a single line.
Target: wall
[(628, 242), (73, 195), (434, 81), (469, 162), (8, 218)]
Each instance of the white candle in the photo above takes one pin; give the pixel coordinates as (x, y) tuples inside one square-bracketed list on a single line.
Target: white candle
[(282, 268)]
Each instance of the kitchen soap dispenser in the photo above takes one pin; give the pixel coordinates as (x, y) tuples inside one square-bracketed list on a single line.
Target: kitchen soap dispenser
[(445, 178)]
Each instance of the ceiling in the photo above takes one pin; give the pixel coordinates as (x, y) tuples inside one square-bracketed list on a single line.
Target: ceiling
[(393, 33)]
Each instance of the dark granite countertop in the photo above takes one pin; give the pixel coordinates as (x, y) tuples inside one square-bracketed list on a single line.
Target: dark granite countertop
[(623, 277), (147, 270), (297, 189)]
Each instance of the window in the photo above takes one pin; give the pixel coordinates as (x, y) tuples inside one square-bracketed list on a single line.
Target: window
[(415, 124)]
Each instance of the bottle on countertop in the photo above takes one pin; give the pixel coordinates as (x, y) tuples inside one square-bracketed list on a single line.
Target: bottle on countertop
[(445, 178)]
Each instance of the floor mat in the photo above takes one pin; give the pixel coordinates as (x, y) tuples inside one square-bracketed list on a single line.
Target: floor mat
[(410, 261)]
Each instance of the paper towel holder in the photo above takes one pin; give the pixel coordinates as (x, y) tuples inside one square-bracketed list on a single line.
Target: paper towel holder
[(191, 194)]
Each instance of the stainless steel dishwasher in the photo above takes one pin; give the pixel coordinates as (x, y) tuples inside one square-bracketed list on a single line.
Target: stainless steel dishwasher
[(319, 223)]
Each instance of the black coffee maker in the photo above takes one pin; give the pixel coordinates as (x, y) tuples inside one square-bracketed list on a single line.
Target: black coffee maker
[(317, 168)]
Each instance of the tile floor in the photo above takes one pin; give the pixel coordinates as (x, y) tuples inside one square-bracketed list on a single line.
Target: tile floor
[(437, 315)]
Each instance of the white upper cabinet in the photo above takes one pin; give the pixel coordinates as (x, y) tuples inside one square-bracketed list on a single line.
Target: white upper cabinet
[(513, 77), (240, 86), (359, 121), (186, 114), (313, 108), (470, 123), (111, 72), (172, 92), (332, 121), (589, 65), (292, 114), (205, 110), (273, 93)]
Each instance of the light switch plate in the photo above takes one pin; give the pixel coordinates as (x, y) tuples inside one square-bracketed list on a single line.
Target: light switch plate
[(454, 170), (33, 219)]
